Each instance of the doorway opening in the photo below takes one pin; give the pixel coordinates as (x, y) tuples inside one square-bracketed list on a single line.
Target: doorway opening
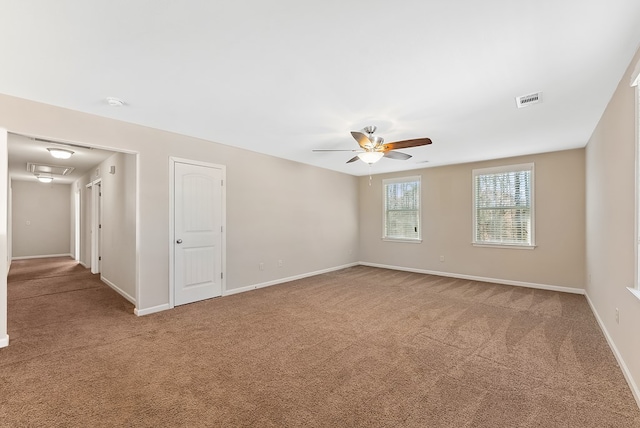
[(115, 227)]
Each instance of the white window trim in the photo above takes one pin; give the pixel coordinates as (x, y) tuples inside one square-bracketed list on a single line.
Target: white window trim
[(386, 181), (497, 170)]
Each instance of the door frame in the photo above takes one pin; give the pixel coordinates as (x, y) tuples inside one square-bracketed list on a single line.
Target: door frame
[(223, 236), (77, 224), (96, 215)]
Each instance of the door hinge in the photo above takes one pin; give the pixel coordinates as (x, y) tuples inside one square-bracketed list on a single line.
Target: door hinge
[(221, 275), (222, 182), (99, 226), (99, 257), (221, 229)]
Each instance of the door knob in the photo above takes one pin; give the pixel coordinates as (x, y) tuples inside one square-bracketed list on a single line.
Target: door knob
[(179, 241)]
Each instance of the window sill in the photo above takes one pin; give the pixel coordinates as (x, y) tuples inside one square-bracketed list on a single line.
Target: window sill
[(635, 292), (511, 247), (408, 241)]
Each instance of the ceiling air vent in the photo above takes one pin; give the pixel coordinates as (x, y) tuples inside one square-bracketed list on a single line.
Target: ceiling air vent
[(530, 99), (36, 168)]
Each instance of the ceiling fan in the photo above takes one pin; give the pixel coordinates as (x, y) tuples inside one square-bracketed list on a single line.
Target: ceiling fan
[(375, 148)]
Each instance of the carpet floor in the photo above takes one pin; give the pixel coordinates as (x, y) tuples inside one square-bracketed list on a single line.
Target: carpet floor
[(359, 347)]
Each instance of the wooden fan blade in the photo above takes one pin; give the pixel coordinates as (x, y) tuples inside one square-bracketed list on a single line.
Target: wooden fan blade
[(334, 150), (362, 139), (353, 159), (405, 144), (397, 155)]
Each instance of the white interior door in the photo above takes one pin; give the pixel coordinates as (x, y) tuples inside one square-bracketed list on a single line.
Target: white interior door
[(198, 236)]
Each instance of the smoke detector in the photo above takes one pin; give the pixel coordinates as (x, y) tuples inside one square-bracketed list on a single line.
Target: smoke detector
[(114, 102), (529, 99)]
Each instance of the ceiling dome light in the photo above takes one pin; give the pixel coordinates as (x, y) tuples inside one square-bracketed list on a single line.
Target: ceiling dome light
[(60, 153), (115, 102), (45, 178), (370, 157)]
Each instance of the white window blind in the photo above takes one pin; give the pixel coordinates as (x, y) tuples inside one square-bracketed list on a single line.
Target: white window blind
[(503, 205), (402, 208)]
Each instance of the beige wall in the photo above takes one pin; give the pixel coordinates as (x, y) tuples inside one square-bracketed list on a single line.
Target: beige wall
[(45, 206), (276, 209), (557, 261), (85, 223), (118, 247), (611, 236)]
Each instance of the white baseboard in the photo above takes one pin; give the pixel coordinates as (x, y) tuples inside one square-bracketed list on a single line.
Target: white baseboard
[(83, 264), (151, 310), (482, 279), (4, 341), (118, 289), (44, 256), (283, 280), (623, 366)]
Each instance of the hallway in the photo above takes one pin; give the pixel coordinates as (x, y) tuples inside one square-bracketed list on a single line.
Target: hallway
[(52, 300)]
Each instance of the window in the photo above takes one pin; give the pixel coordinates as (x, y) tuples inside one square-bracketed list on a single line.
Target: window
[(402, 209), (503, 206)]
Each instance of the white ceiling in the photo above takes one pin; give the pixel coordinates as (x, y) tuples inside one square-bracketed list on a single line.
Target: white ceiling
[(284, 77), (23, 150)]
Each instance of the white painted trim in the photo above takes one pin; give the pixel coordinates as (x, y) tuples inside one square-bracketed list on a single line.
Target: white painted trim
[(283, 280), (151, 310), (96, 218), (625, 370), (138, 284), (405, 241), (118, 290), (83, 265), (636, 252), (505, 246), (172, 230), (634, 291), (75, 224), (635, 76), (481, 279), (4, 341), (44, 256)]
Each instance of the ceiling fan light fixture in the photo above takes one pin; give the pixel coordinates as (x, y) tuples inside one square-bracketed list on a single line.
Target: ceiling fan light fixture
[(60, 153), (370, 157), (44, 178)]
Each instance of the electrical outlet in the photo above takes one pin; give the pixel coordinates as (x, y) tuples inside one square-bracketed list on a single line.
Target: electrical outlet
[(441, 258), (279, 263), (617, 316), (261, 266)]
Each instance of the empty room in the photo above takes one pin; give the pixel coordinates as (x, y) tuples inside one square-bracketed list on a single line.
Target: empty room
[(419, 214)]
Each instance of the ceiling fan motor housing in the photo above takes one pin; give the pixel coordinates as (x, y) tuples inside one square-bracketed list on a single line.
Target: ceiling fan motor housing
[(369, 129), (376, 141)]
